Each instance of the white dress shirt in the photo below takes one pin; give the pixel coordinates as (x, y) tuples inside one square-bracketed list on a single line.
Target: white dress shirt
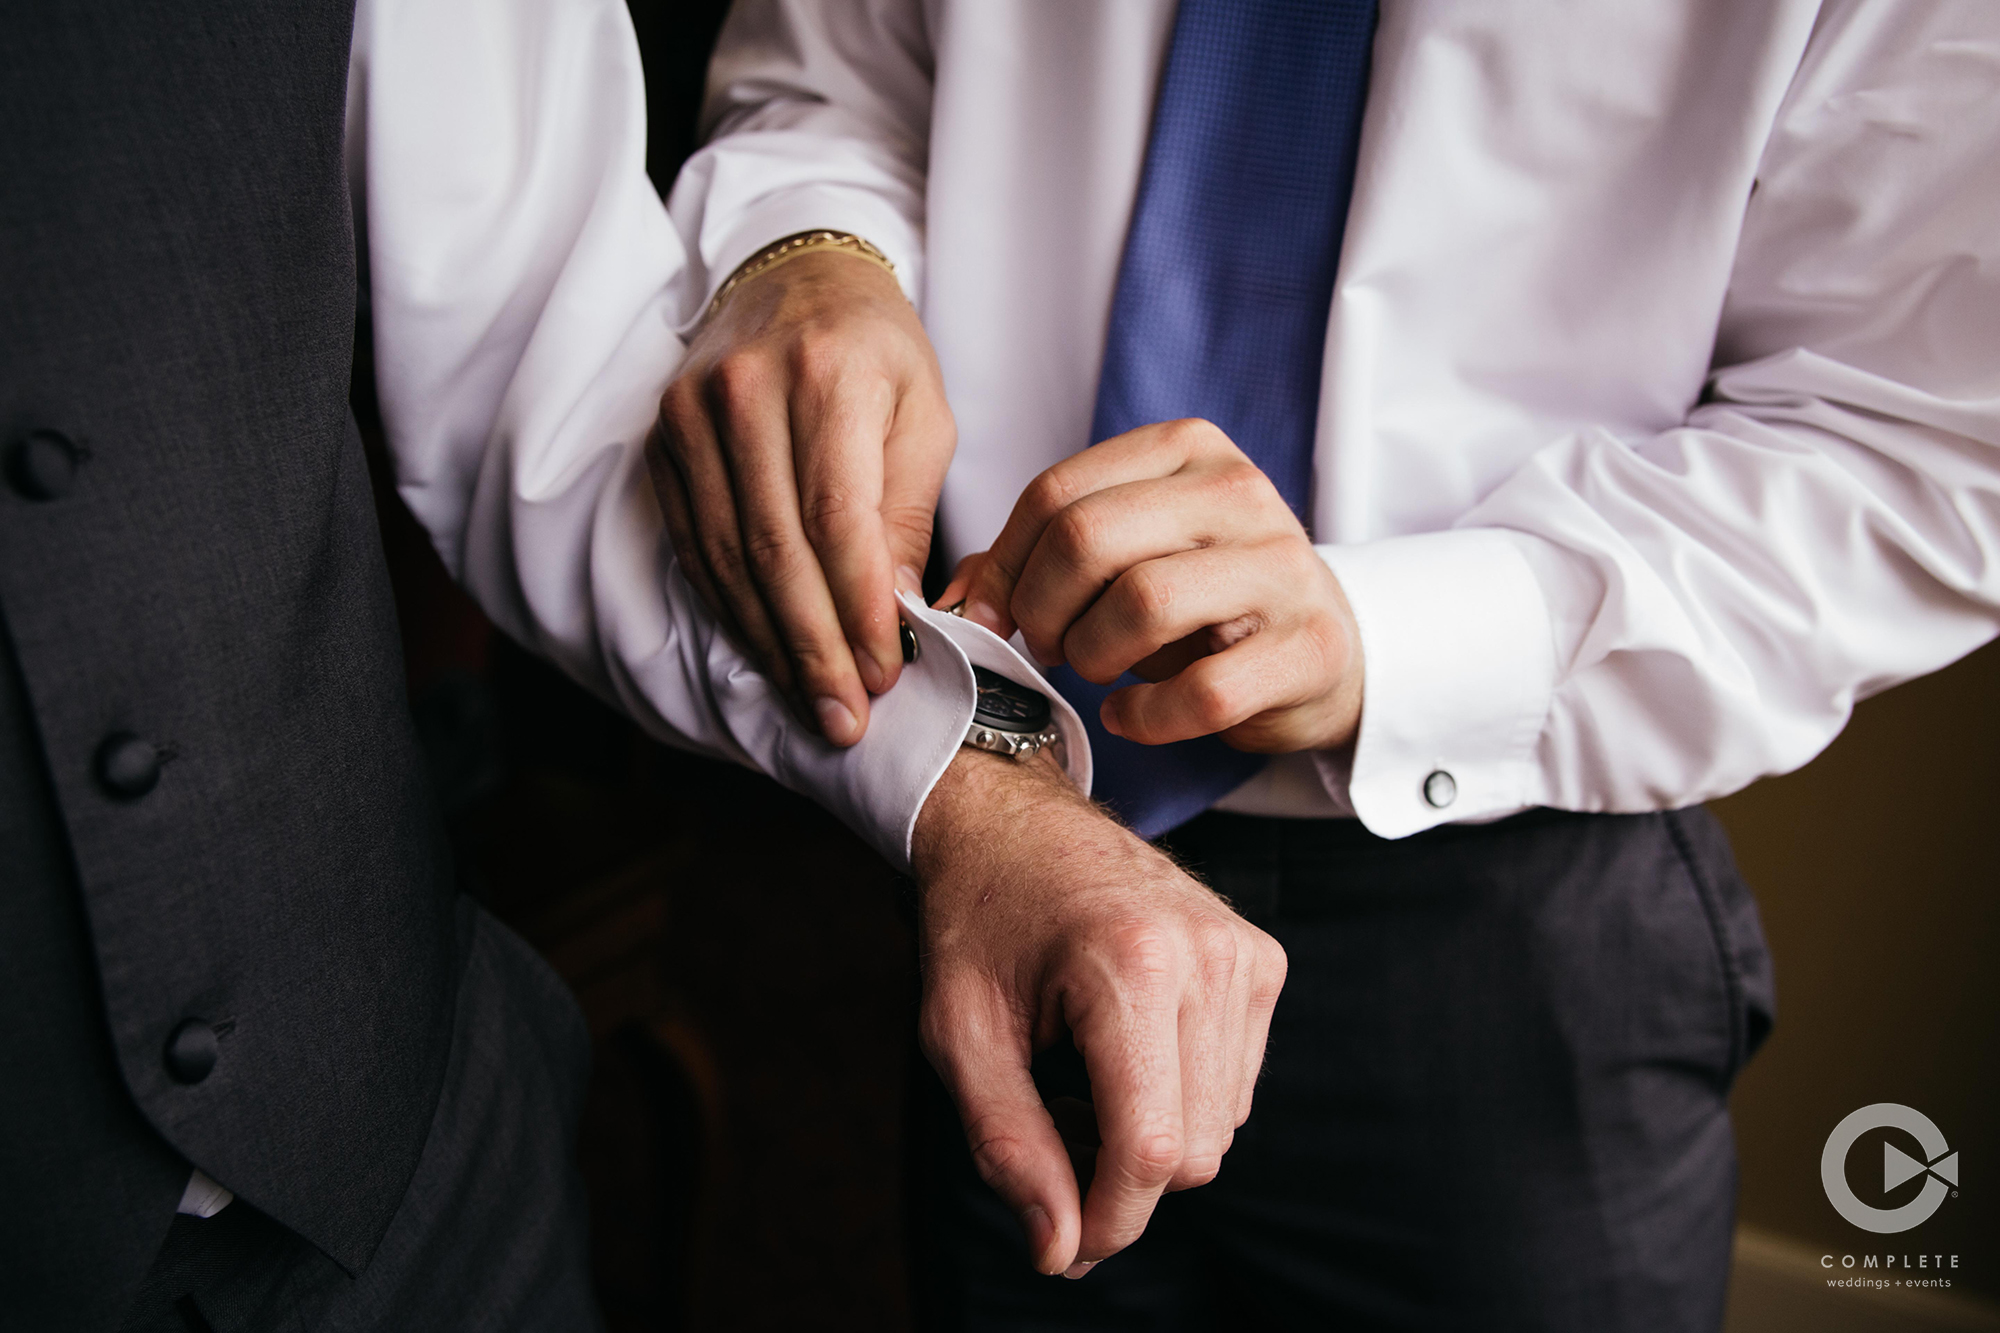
[(1662, 381)]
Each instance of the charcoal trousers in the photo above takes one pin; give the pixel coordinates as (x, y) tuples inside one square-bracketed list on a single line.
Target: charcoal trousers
[(1495, 1096)]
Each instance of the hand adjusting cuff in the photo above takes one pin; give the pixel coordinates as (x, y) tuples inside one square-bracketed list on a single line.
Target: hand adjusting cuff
[(790, 248)]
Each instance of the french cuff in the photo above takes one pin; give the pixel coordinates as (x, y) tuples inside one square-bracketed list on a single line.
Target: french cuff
[(1456, 641), (878, 785), (789, 212)]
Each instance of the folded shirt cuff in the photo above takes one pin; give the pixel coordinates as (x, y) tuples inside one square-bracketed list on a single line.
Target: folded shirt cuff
[(1461, 668), (878, 785)]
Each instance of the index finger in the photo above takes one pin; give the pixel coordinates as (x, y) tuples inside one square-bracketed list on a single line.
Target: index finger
[(756, 423), (1145, 454), (1131, 1050), (838, 437)]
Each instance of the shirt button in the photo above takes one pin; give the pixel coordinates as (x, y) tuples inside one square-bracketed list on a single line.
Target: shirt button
[(42, 465), (1440, 789), (191, 1051), (127, 765)]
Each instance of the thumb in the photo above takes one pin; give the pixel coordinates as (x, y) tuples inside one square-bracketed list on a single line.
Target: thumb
[(982, 1056)]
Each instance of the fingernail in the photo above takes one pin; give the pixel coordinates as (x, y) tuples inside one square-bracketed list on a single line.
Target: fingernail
[(910, 579), (1040, 1231), (981, 614), (835, 722), (1075, 1271), (1108, 715), (871, 671)]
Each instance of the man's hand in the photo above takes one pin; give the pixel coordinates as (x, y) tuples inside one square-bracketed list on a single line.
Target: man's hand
[(798, 459), (1038, 912), (1166, 552)]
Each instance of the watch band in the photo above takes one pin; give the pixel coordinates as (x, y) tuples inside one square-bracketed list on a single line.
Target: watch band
[(1016, 744)]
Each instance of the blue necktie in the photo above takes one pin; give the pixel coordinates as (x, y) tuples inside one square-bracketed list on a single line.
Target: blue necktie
[(1223, 294)]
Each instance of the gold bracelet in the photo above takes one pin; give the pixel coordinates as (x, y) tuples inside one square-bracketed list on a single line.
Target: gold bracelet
[(790, 248)]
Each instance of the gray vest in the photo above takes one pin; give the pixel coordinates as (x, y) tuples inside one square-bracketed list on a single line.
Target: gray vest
[(226, 911)]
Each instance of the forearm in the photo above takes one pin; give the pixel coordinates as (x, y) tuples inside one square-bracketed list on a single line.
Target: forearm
[(524, 293), (980, 799)]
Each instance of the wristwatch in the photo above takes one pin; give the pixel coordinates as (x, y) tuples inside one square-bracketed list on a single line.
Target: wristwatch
[(1008, 718)]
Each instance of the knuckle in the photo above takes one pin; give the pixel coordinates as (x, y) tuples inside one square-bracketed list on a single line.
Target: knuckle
[(768, 549), (1142, 953), (820, 358), (1215, 946), (1242, 483), (1146, 595), (830, 512), (1074, 535), (741, 378), (723, 557), (1213, 700), (1267, 978), (1047, 493), (1000, 1155), (908, 527), (1195, 434), (1200, 1166), (1325, 649), (1155, 1156)]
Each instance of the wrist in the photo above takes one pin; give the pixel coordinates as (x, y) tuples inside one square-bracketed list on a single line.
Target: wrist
[(983, 802), (817, 246)]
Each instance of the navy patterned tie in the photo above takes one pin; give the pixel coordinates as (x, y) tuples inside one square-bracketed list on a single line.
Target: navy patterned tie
[(1223, 294)]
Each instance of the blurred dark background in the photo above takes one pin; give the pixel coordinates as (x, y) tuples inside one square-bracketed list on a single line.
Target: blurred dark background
[(747, 966)]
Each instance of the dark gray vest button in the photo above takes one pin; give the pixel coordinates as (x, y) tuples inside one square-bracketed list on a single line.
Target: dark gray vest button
[(126, 765), (42, 465), (191, 1051)]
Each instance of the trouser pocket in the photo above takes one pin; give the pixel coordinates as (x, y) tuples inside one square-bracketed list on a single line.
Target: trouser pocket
[(1738, 931)]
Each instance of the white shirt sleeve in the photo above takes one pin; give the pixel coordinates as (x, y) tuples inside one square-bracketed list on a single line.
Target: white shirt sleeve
[(821, 119), (1628, 624), (526, 288)]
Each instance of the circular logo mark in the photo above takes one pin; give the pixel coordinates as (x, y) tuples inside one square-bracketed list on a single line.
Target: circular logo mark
[(1940, 1165)]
